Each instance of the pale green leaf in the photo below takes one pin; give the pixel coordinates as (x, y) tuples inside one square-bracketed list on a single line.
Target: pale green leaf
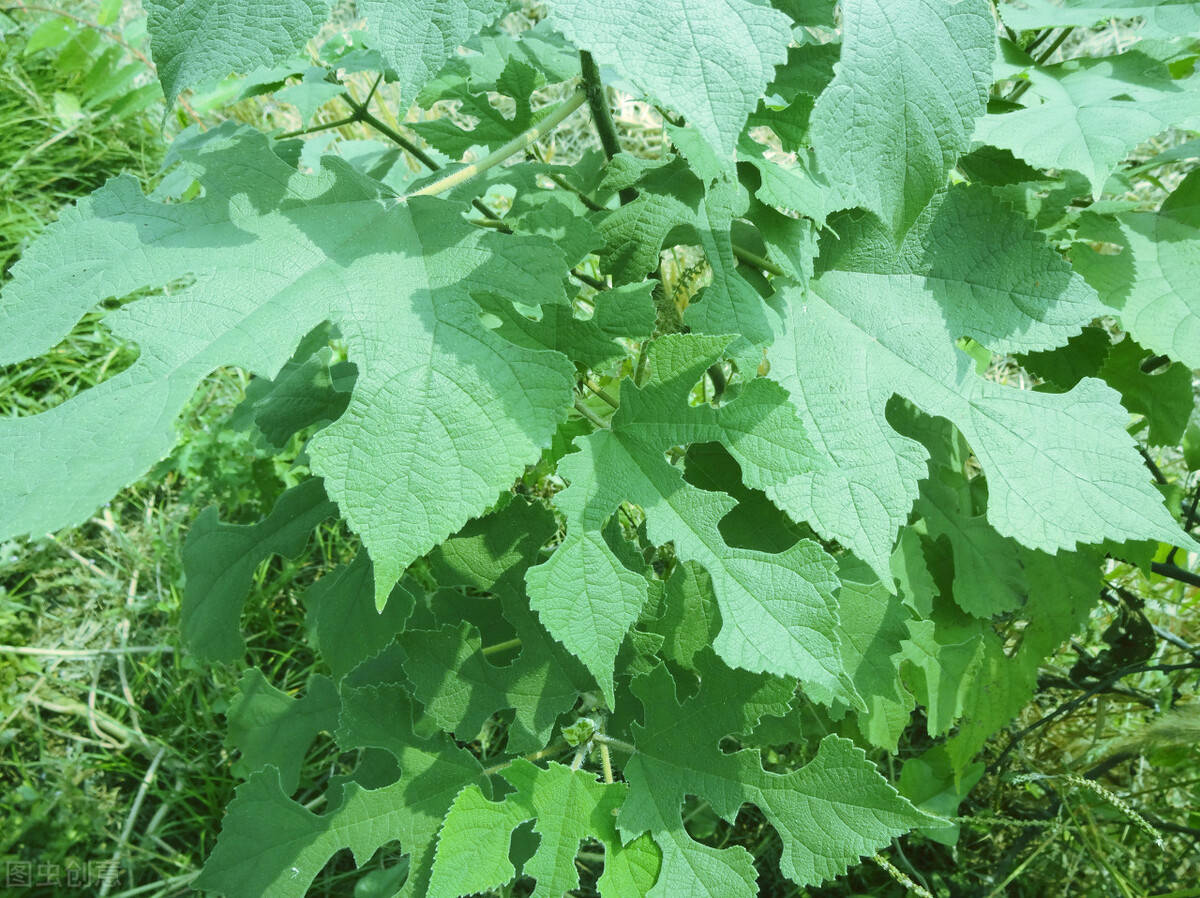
[(778, 611), (1152, 284), (912, 80), (1162, 18), (707, 59), (200, 40), (1087, 115), (1061, 469), (444, 412), (417, 36)]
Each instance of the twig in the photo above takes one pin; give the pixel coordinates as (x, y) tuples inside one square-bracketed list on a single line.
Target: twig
[(1188, 521), (501, 647), (1175, 572), (516, 145)]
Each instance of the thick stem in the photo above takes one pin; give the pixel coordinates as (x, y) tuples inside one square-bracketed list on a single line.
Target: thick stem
[(606, 128), (361, 113), (598, 104), (516, 145)]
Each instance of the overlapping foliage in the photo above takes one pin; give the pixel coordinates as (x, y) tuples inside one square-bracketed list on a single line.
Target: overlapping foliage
[(666, 535)]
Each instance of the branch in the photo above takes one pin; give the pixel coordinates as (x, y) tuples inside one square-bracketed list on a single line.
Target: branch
[(1175, 572), (514, 146)]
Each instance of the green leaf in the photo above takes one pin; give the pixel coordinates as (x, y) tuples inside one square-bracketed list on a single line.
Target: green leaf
[(672, 199), (689, 619), (417, 37), (342, 622), (449, 668), (709, 60), (1152, 282), (912, 80), (567, 807), (444, 412), (460, 689), (1087, 115), (1061, 469), (828, 813), (492, 128), (291, 844), (270, 727), (307, 391), (873, 628), (220, 561), (778, 611), (199, 40)]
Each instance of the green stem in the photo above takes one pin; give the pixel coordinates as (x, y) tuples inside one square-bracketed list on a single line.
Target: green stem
[(598, 104), (606, 763), (591, 415), (392, 134), (594, 283), (603, 395), (757, 261), (501, 647), (516, 145), (606, 128), (556, 749), (618, 744), (323, 126)]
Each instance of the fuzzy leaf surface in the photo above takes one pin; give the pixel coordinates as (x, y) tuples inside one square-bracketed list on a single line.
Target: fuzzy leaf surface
[(1156, 295), (444, 413), (778, 611), (199, 40), (1087, 115), (912, 79)]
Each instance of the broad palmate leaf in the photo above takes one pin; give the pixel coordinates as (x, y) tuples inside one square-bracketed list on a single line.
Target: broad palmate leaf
[(444, 412)]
